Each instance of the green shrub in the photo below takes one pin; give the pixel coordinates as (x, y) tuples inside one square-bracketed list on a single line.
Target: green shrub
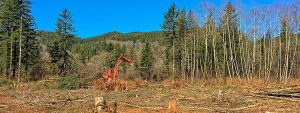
[(47, 85), (72, 82), (5, 82)]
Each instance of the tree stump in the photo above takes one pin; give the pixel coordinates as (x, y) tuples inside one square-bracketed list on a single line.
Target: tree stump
[(100, 103), (173, 107)]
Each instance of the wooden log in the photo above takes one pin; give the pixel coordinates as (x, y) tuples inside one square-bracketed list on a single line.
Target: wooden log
[(218, 109), (196, 109), (3, 106), (288, 90), (282, 95), (100, 104), (173, 107), (246, 107), (142, 107), (280, 98)]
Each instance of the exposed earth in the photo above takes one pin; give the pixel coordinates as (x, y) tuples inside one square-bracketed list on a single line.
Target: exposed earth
[(154, 98)]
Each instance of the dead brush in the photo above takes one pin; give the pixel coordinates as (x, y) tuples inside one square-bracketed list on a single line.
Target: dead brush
[(176, 84), (103, 85), (253, 83), (137, 84), (121, 85), (99, 84), (294, 82), (124, 85)]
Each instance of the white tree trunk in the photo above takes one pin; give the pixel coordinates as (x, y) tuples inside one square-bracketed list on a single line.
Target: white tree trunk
[(20, 50)]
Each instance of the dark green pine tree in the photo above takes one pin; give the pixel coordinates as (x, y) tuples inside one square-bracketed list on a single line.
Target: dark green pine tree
[(4, 13), (3, 48), (124, 65), (60, 49), (146, 62), (30, 50), (10, 22), (132, 53), (83, 54), (169, 27), (114, 55), (179, 39)]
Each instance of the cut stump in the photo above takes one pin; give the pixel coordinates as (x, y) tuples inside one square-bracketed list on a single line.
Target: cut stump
[(173, 107)]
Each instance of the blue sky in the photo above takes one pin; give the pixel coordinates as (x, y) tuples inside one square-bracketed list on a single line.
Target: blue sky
[(94, 17)]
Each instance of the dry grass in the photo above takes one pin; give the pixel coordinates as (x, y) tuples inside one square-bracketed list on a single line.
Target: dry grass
[(218, 95), (120, 85), (176, 84)]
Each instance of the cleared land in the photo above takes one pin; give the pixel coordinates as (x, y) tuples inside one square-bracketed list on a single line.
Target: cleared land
[(235, 96)]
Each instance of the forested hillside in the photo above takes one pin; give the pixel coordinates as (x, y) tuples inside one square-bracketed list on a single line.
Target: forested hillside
[(231, 42), (155, 36)]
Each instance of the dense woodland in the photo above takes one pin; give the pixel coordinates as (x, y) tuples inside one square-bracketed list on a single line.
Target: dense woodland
[(217, 43)]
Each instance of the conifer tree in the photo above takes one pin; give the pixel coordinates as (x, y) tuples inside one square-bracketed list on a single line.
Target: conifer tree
[(114, 55), (179, 45), (30, 52), (8, 21), (19, 46), (132, 53), (169, 27), (146, 61), (60, 49)]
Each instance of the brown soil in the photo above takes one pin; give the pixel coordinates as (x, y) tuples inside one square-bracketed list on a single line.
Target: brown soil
[(234, 96), (7, 104)]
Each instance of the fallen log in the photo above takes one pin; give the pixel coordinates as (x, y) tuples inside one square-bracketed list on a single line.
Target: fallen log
[(287, 90), (281, 95), (191, 108), (218, 108), (3, 106), (280, 98), (142, 107), (246, 107), (196, 108)]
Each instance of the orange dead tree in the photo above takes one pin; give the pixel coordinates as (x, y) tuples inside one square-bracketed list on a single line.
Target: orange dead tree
[(113, 72)]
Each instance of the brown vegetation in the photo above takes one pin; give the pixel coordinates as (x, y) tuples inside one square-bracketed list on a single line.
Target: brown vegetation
[(225, 95), (120, 85)]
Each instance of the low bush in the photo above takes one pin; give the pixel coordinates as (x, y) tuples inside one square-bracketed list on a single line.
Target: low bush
[(5, 82), (47, 85), (72, 82)]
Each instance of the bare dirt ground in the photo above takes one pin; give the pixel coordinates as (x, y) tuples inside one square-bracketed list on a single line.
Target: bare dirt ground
[(154, 98)]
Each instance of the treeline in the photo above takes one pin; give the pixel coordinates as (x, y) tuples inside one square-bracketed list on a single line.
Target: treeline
[(261, 42), (132, 36), (22, 50), (28, 54), (19, 50), (219, 43)]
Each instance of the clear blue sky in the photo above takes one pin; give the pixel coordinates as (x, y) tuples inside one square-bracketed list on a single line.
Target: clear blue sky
[(94, 17)]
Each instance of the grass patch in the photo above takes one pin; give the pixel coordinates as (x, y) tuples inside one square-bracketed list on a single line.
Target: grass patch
[(72, 82), (5, 82), (47, 85)]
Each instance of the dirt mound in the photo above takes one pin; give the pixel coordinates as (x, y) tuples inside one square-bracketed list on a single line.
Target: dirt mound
[(120, 85)]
